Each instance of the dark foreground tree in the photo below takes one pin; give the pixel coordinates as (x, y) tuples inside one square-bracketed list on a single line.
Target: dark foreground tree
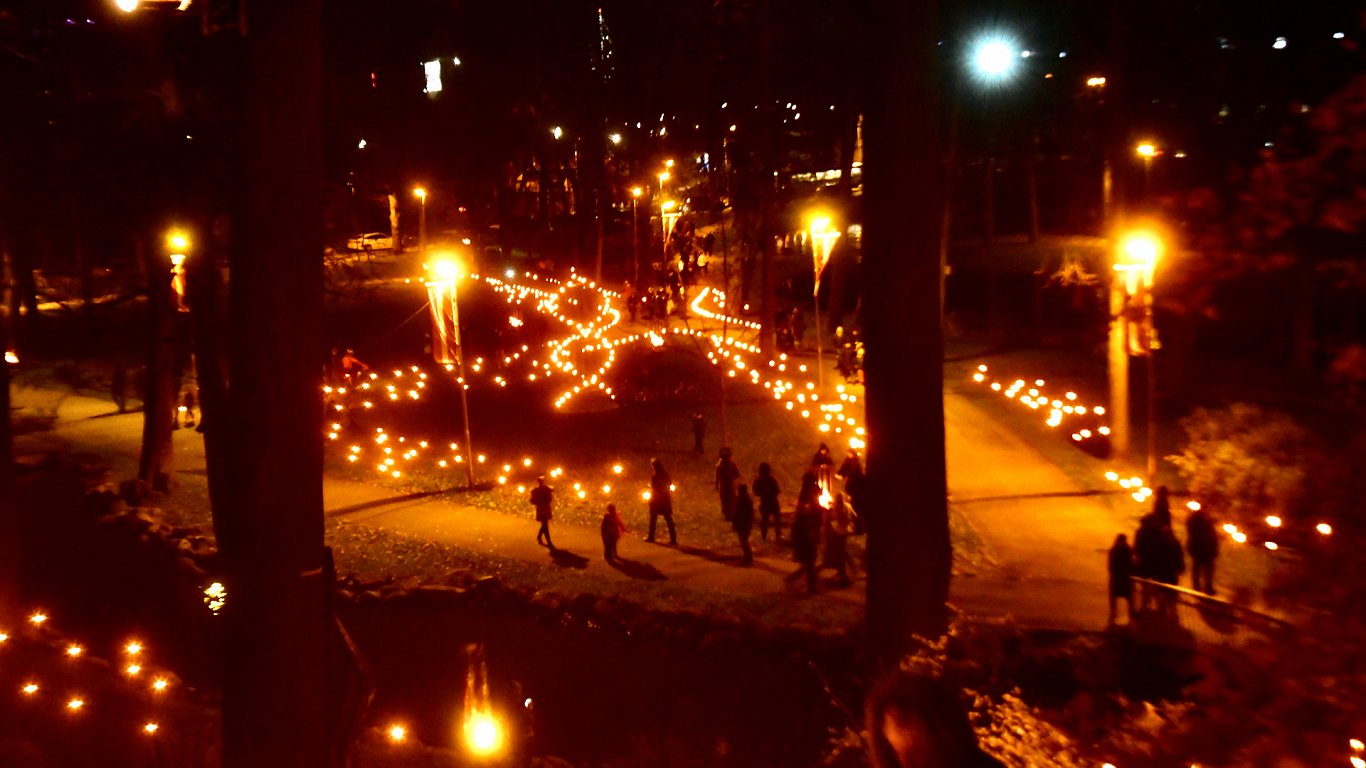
[(271, 537), (908, 534)]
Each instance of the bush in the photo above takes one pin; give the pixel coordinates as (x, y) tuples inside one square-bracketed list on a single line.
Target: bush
[(1246, 461)]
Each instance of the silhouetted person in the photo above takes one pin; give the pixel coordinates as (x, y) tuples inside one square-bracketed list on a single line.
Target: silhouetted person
[(1162, 505), (743, 521), (118, 387), (855, 483), (661, 500), (727, 474), (835, 529), (541, 498), (189, 405), (1121, 567), (806, 530), (1148, 550), (798, 324), (823, 465), (612, 529), (917, 721), (699, 431), (1203, 545), (766, 489)]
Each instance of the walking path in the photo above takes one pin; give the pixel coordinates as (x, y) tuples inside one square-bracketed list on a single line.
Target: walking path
[(1044, 535)]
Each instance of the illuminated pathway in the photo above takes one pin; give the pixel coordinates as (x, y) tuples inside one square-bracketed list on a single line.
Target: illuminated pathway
[(1045, 533)]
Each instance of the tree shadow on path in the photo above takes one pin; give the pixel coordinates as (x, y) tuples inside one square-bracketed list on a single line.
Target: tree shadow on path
[(638, 570), (566, 559)]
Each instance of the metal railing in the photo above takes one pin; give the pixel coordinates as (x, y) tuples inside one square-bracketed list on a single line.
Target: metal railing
[(1175, 615)]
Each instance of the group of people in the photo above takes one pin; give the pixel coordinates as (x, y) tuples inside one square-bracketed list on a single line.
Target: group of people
[(1157, 555), (820, 526), (821, 523)]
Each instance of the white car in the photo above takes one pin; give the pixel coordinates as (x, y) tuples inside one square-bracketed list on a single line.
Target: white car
[(372, 241)]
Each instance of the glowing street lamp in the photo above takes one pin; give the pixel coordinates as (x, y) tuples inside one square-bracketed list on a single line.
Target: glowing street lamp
[(127, 6), (1147, 150), (993, 58), (823, 239), (557, 132), (442, 297), (615, 138), (421, 194), (1132, 332), (177, 246)]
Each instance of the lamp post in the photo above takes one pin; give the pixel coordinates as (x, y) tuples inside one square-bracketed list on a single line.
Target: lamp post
[(822, 241), (178, 244), (636, 192), (1132, 331), (443, 296), (421, 194), (1147, 150)]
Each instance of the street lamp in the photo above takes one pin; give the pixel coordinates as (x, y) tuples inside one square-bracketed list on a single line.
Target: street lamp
[(1132, 332), (177, 246), (421, 194), (636, 192), (1147, 150), (442, 296), (993, 58), (822, 241)]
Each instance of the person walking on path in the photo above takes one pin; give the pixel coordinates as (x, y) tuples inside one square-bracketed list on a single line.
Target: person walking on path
[(118, 387), (743, 521), (541, 497), (352, 367), (835, 527), (1121, 569), (1203, 545), (189, 405), (612, 529), (727, 473), (699, 431), (766, 489), (806, 531), (661, 501)]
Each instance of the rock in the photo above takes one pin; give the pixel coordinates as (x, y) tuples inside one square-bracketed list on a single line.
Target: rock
[(438, 596)]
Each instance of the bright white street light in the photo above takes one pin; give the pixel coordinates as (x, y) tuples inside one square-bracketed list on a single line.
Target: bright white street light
[(127, 6), (557, 131), (615, 138), (994, 58)]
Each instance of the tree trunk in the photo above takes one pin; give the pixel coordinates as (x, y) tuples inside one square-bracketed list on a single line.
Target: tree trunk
[(11, 547), (909, 554), (275, 683), (768, 203), (204, 295), (158, 395)]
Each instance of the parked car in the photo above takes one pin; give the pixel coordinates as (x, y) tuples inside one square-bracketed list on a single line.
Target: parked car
[(371, 241)]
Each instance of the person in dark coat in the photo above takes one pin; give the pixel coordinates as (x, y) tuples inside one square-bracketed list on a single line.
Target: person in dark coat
[(541, 498), (806, 530), (1202, 542), (824, 467), (743, 521), (766, 489), (726, 476), (661, 500), (1162, 508), (612, 529), (1148, 556), (118, 387), (1121, 577), (699, 431)]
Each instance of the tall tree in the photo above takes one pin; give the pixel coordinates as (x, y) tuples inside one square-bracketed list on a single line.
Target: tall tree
[(909, 553), (275, 686)]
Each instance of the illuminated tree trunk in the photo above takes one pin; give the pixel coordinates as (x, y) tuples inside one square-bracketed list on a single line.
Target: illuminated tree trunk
[(908, 535), (275, 687)]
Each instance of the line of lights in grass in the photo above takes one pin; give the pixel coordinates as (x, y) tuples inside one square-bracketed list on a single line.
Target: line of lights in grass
[(132, 664)]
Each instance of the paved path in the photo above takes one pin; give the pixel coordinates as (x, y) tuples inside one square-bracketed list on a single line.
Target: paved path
[(1045, 536)]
